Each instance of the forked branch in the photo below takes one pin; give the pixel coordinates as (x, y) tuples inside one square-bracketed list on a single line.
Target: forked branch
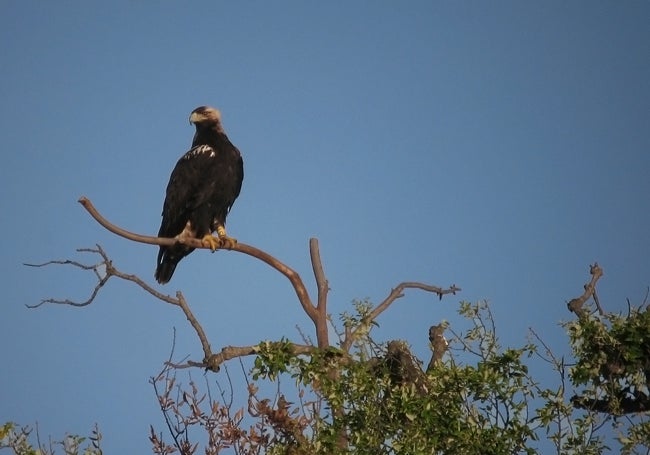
[(231, 352), (292, 275), (101, 270), (575, 305), (395, 294), (104, 270)]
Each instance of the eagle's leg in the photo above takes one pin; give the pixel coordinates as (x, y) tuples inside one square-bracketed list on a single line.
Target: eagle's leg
[(226, 242), (212, 242)]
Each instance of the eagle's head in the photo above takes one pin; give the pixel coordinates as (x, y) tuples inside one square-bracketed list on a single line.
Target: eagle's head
[(206, 115)]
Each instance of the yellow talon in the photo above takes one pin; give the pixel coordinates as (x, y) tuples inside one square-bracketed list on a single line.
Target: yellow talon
[(212, 242), (226, 242)]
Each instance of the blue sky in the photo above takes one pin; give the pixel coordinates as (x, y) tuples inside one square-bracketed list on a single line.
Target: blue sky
[(501, 146)]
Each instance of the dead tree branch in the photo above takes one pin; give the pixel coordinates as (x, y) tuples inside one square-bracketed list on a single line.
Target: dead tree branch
[(439, 344), (230, 352), (101, 271), (102, 276), (210, 361), (110, 271), (323, 289), (575, 305), (104, 270), (395, 294), (292, 275), (205, 344)]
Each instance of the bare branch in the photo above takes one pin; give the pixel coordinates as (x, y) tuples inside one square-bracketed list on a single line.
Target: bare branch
[(210, 361), (111, 271), (319, 274), (165, 407), (105, 270), (194, 243), (292, 275), (205, 344), (552, 359), (317, 313), (597, 302), (230, 352), (101, 271), (395, 294), (137, 280), (323, 289), (575, 305), (439, 344), (398, 292)]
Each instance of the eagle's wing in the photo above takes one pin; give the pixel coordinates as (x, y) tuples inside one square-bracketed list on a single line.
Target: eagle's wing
[(239, 172), (184, 189)]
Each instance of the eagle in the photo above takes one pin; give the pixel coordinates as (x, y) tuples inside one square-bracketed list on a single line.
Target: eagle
[(201, 191)]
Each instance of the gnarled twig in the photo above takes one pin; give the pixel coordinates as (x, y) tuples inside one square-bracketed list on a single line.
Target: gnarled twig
[(395, 294), (575, 305), (110, 271)]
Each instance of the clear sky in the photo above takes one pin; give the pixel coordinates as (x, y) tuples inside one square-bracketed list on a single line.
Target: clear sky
[(501, 146)]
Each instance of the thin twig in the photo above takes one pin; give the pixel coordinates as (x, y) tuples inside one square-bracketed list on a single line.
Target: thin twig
[(207, 351), (111, 271), (398, 292), (164, 410), (101, 279)]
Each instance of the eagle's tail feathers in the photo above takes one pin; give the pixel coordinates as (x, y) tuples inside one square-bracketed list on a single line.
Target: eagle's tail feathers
[(165, 268)]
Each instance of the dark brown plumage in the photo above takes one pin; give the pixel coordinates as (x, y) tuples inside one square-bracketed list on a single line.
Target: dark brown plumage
[(202, 188)]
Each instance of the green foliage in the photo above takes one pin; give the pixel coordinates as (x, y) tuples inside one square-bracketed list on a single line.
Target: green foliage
[(638, 436), (19, 439), (611, 348), (361, 323), (374, 398), (273, 358), (481, 400), (478, 408), (612, 371)]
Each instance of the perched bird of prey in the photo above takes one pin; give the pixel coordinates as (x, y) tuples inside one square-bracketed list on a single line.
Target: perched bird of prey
[(201, 190)]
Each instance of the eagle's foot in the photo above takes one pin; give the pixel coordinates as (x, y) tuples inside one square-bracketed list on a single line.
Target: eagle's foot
[(227, 242), (211, 242)]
